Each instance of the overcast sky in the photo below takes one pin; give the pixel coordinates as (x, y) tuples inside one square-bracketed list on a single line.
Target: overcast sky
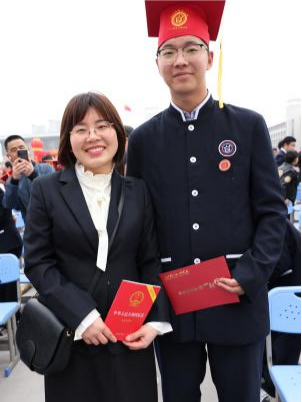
[(54, 49)]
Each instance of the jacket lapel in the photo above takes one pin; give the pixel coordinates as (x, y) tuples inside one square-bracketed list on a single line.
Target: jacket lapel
[(72, 193), (116, 185)]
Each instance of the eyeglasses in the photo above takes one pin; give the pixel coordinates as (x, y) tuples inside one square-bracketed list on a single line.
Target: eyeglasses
[(169, 54), (100, 129)]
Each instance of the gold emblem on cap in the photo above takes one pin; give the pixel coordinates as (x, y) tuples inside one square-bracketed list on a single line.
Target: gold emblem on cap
[(136, 298), (179, 18)]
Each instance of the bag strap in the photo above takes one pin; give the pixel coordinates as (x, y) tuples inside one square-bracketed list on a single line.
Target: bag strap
[(119, 211)]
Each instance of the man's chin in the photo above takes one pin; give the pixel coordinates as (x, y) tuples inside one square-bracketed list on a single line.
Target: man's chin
[(183, 91)]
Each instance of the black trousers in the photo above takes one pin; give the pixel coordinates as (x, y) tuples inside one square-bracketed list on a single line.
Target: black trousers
[(105, 377), (236, 370)]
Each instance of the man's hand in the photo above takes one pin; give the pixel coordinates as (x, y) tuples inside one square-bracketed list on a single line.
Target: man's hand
[(97, 333), (28, 168), (142, 338), (22, 166), (18, 167), (230, 285)]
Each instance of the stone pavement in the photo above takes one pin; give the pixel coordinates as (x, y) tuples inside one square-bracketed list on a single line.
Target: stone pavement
[(24, 385)]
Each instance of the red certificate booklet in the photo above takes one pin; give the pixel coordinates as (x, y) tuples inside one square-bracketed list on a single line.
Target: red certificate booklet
[(195, 287), (130, 307)]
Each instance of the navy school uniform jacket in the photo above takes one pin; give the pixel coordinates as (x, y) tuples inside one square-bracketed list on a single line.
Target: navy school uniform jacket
[(203, 212)]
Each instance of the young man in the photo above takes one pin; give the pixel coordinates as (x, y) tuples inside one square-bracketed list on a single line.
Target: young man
[(18, 186), (287, 144), (215, 193)]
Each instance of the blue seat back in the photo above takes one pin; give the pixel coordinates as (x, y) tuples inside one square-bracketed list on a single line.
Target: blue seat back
[(19, 222), (9, 268), (285, 309), (298, 197), (289, 208)]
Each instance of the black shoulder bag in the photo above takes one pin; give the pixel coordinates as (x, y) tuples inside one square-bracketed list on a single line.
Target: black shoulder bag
[(43, 340)]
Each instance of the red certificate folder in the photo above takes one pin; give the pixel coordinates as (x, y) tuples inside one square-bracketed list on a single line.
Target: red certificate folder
[(130, 307), (195, 287)]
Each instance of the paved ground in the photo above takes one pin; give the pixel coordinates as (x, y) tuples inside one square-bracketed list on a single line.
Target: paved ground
[(23, 385)]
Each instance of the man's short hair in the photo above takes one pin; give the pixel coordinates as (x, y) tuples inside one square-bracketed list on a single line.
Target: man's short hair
[(290, 156), (12, 138), (288, 140)]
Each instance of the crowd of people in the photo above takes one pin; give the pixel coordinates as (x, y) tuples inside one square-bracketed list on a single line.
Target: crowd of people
[(196, 186)]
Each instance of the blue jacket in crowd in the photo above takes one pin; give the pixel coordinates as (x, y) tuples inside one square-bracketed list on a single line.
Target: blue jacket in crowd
[(17, 193)]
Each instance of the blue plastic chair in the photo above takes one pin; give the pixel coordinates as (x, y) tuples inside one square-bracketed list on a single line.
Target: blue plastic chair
[(290, 208), (10, 272), (298, 196), (20, 224), (285, 316)]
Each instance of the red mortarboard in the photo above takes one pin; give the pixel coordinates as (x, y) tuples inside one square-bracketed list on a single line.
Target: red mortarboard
[(170, 18)]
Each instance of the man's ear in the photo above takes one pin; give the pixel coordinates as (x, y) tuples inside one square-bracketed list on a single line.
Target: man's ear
[(156, 61), (210, 60)]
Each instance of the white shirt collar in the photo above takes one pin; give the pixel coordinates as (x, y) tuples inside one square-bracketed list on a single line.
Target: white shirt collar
[(97, 191), (195, 112)]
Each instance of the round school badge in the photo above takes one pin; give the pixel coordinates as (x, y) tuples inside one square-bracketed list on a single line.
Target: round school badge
[(227, 148), (287, 179), (179, 18), (224, 165)]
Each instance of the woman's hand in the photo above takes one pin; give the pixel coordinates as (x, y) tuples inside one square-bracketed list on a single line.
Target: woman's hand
[(97, 333), (142, 338)]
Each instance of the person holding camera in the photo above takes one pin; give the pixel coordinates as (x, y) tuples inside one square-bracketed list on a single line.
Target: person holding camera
[(24, 171)]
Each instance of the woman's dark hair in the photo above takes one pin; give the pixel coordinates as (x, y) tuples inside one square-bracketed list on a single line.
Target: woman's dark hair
[(75, 112), (290, 156)]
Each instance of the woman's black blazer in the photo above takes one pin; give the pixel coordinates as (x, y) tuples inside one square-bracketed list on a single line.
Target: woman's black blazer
[(61, 245)]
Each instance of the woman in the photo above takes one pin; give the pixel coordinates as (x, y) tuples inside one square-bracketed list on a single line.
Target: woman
[(73, 220), (10, 242)]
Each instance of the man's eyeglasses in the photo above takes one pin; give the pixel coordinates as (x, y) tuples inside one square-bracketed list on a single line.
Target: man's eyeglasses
[(170, 54), (100, 129)]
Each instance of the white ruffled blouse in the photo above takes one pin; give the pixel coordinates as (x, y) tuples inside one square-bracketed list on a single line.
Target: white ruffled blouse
[(97, 191)]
